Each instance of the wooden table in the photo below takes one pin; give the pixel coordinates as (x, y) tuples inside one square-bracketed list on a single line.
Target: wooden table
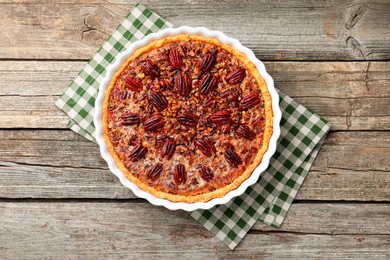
[(58, 200)]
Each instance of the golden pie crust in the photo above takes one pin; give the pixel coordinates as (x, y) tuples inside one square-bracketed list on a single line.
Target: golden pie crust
[(226, 177)]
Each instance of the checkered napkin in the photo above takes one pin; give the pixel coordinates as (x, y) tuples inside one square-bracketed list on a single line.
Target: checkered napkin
[(269, 200)]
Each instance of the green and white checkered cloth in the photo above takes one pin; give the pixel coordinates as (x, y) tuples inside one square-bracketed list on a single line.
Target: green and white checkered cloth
[(269, 200)]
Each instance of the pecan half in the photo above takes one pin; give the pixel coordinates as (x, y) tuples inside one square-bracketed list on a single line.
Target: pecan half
[(236, 76), (159, 141), (221, 117), (175, 59), (154, 123), (180, 174), (209, 102), (116, 93), (207, 84), (183, 84), (232, 157), (208, 61), (155, 172), (133, 84), (149, 68), (245, 132), (233, 97), (249, 101), (205, 146), (137, 153), (188, 119), (206, 173), (129, 119), (168, 150), (158, 100), (124, 95)]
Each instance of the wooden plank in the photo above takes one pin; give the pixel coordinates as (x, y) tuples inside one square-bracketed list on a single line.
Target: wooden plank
[(119, 230), (305, 218), (298, 30), (351, 95), (61, 164), (335, 218)]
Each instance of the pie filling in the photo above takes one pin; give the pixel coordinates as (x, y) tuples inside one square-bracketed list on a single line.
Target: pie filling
[(187, 117)]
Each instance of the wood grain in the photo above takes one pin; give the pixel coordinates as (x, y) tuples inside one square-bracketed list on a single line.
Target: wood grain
[(61, 164), (331, 56), (119, 230), (294, 30), (335, 219), (352, 96)]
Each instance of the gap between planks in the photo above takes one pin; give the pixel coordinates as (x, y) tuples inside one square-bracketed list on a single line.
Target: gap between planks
[(144, 201)]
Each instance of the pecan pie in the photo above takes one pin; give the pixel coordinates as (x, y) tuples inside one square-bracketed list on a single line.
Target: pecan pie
[(187, 118)]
